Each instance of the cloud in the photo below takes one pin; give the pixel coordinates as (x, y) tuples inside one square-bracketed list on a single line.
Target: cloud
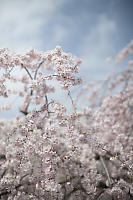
[(97, 45), (22, 22)]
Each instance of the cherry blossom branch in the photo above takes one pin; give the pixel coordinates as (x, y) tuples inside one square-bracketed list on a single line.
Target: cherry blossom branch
[(73, 104), (35, 75), (28, 73), (117, 156), (106, 170)]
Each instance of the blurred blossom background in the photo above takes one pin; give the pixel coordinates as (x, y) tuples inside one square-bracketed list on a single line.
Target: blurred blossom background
[(90, 29)]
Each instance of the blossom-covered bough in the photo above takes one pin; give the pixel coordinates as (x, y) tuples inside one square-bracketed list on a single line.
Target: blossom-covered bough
[(52, 153)]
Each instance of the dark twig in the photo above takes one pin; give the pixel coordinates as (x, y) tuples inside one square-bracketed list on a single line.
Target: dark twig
[(28, 73), (35, 75), (106, 170)]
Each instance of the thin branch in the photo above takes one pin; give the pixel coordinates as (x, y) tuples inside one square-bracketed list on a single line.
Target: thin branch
[(106, 170), (111, 155), (35, 75), (25, 112), (10, 70), (73, 104), (28, 73)]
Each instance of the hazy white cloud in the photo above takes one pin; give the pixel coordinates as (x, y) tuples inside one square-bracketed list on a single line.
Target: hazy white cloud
[(22, 22), (97, 45), (60, 33), (99, 35)]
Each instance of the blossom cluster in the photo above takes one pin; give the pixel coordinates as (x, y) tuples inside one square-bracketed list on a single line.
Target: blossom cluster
[(54, 153)]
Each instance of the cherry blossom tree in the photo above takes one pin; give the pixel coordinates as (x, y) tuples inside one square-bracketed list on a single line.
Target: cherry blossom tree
[(52, 152)]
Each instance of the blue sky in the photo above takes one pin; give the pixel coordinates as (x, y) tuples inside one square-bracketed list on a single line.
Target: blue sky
[(90, 29)]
